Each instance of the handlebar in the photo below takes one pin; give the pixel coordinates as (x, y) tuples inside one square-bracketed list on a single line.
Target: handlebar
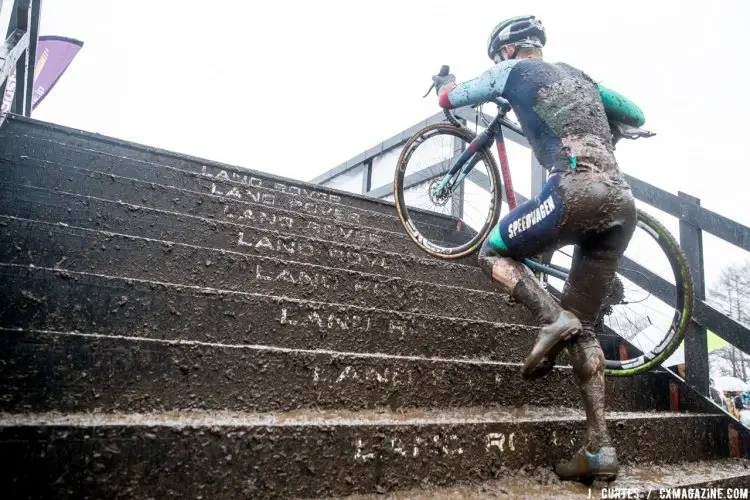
[(445, 70), (502, 104)]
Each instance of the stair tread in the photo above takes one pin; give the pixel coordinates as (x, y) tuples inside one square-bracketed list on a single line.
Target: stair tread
[(40, 372), (46, 205), (326, 418), (543, 483), (261, 348), (80, 249), (148, 185), (207, 169), (110, 140), (234, 252), (208, 290)]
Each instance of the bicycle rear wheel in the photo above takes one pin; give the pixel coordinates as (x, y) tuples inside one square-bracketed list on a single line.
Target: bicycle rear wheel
[(644, 319), (456, 224)]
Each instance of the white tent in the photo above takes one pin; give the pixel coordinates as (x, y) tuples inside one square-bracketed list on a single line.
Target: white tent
[(730, 384)]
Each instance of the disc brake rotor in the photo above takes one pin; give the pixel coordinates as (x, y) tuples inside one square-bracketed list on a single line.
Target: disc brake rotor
[(439, 201)]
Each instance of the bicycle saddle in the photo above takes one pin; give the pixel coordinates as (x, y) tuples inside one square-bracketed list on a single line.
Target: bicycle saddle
[(629, 132)]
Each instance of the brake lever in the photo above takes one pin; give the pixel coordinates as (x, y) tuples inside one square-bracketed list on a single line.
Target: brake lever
[(444, 70)]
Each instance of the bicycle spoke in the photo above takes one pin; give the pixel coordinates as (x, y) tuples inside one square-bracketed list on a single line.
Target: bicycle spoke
[(641, 312)]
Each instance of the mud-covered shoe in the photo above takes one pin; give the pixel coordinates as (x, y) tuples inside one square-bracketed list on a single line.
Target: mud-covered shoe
[(551, 340), (586, 466)]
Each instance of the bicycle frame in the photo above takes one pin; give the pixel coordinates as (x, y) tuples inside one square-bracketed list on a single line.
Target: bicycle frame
[(469, 158)]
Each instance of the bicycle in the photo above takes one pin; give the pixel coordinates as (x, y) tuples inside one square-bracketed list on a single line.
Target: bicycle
[(647, 312)]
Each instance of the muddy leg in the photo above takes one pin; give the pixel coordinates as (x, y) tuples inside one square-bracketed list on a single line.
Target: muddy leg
[(520, 283), (587, 359), (558, 326), (590, 277), (585, 291)]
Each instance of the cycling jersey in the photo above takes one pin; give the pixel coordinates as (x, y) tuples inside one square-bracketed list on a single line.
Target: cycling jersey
[(563, 112)]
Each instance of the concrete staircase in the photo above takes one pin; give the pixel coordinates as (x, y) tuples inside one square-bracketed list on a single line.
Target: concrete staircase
[(176, 328)]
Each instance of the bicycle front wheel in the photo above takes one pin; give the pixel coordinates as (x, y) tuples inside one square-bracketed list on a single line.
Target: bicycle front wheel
[(457, 223), (644, 319)]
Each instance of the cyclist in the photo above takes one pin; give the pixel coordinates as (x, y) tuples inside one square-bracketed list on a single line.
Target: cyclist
[(585, 202)]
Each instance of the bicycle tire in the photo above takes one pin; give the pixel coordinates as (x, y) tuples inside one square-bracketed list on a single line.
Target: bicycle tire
[(683, 306), (428, 246)]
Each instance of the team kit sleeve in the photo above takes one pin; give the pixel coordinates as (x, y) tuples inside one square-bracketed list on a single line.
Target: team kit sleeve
[(484, 88), (620, 108)]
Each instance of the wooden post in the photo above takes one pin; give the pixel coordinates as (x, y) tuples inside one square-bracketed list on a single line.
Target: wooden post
[(696, 346)]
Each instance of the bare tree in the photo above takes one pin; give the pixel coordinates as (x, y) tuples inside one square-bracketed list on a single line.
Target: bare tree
[(731, 294)]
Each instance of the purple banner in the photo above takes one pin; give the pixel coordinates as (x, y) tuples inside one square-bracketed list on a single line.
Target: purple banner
[(53, 56)]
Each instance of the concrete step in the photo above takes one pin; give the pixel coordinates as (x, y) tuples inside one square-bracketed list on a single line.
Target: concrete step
[(97, 213), (73, 371), (51, 300), (75, 148), (634, 482), (315, 453), (48, 299), (259, 211), (43, 244)]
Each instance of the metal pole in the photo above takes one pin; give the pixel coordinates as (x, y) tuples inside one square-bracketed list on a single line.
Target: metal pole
[(21, 16), (696, 346), (367, 176), (13, 21), (33, 28)]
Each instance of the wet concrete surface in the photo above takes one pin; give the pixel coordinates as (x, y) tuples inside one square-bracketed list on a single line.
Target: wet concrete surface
[(44, 299), (246, 205), (54, 245), (146, 164), (378, 416), (317, 458), (70, 371), (542, 483), (241, 236)]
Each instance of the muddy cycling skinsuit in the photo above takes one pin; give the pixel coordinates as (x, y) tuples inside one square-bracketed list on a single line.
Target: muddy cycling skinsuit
[(585, 202)]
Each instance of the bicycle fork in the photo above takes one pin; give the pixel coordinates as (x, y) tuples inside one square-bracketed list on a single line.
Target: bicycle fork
[(464, 164)]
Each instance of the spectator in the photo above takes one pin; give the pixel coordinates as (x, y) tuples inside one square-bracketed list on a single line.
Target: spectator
[(743, 409)]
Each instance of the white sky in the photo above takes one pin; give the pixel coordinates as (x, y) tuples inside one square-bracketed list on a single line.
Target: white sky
[(295, 87)]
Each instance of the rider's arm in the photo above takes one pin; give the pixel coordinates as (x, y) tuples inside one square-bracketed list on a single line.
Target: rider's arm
[(486, 87), (621, 109)]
